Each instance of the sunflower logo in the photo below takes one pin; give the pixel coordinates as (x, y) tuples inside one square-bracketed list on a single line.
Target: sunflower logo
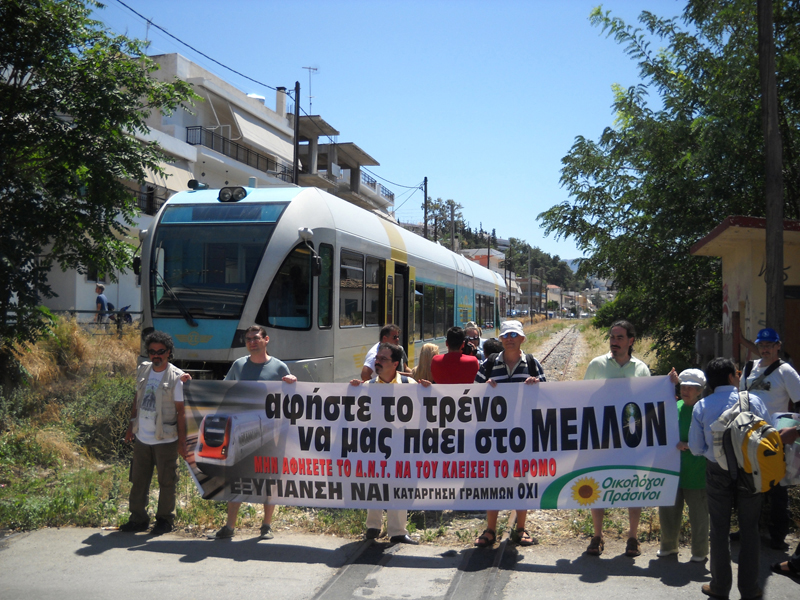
[(585, 491)]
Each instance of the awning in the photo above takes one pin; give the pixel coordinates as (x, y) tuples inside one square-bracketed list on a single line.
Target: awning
[(256, 134), (175, 178)]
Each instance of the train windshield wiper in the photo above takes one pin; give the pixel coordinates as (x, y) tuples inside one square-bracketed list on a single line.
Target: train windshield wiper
[(181, 307)]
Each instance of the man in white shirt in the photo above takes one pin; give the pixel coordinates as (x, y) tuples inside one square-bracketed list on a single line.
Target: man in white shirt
[(158, 430), (778, 385)]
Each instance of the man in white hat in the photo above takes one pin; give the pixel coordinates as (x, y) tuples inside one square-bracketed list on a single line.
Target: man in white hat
[(510, 366)]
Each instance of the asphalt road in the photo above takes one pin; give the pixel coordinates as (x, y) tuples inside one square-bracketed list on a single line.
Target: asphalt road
[(72, 564)]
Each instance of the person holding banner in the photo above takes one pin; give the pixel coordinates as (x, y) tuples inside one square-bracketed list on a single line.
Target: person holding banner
[(618, 363), (510, 366), (692, 484), (387, 362), (389, 334), (158, 431), (724, 491), (259, 366)]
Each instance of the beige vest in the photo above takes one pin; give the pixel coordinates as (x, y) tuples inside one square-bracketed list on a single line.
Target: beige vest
[(166, 415)]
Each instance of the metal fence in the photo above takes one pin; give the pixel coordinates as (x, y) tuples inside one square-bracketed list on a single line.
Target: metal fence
[(112, 323)]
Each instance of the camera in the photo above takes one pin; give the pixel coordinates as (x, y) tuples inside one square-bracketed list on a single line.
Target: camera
[(468, 348)]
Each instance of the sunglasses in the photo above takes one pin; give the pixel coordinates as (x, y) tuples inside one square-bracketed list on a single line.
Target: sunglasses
[(250, 340), (511, 334), (473, 338), (157, 352)]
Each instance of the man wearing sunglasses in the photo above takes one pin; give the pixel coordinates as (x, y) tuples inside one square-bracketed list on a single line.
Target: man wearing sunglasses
[(259, 366), (778, 386), (389, 334), (510, 366), (158, 431), (387, 363)]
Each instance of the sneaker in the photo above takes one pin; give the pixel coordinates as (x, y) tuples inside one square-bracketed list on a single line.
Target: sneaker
[(698, 558), (266, 532), (133, 527), (632, 548), (663, 553), (224, 533), (161, 527)]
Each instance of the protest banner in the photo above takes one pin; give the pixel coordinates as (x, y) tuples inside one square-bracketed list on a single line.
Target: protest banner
[(583, 444)]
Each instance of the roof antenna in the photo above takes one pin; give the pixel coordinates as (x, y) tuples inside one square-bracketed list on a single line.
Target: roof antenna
[(310, 70)]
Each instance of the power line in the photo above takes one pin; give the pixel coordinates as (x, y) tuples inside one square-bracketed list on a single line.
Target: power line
[(240, 74), (203, 54)]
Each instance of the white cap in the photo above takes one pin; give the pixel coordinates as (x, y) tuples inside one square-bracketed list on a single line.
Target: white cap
[(693, 377), (511, 326)]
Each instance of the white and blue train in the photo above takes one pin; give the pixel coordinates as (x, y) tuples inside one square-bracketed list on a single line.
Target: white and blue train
[(321, 274)]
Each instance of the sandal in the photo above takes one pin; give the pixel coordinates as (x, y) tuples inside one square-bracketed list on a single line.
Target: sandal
[(596, 546), (791, 572), (486, 541), (632, 548), (521, 537)]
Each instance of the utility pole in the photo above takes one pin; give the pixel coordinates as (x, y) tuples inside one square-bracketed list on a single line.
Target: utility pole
[(453, 226), (773, 276), (310, 71), (425, 220), (296, 162), (530, 288)]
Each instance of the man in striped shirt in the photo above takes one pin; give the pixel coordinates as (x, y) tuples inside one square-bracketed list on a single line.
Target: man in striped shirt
[(510, 366)]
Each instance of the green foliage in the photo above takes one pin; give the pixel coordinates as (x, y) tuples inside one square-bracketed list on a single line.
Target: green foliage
[(72, 98), (661, 178), (101, 415), (557, 272)]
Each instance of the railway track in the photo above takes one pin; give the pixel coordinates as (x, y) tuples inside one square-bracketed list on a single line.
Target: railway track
[(559, 358), (472, 574)]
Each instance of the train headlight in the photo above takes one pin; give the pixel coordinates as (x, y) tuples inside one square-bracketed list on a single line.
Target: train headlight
[(232, 194)]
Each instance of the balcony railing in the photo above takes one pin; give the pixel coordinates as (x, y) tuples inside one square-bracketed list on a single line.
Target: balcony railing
[(382, 191), (200, 136)]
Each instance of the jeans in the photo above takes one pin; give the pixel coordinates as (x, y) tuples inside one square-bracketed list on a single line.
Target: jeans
[(723, 494)]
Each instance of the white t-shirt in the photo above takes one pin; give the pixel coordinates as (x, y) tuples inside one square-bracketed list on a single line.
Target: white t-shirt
[(147, 410), (780, 386)]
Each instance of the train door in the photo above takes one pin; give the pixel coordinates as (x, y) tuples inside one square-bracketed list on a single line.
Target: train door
[(401, 294)]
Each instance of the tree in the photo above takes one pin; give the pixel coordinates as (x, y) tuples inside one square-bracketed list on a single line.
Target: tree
[(71, 97), (662, 178), (439, 219)]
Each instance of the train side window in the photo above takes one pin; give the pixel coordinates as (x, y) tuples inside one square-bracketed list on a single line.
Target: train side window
[(287, 304), (428, 312), (418, 295), (351, 289), (325, 286), (439, 311), (374, 287)]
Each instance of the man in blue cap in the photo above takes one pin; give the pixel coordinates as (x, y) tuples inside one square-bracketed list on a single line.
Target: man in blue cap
[(778, 386)]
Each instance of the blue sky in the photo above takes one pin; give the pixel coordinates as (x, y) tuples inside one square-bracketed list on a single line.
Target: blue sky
[(483, 98)]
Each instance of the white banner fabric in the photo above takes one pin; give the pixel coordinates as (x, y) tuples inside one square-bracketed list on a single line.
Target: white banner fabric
[(583, 444)]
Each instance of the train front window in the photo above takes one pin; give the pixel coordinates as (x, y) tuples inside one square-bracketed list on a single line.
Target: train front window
[(205, 258)]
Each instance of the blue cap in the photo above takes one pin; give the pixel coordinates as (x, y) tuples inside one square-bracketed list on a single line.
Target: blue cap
[(767, 335)]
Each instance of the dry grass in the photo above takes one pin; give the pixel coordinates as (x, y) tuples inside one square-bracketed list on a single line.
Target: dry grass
[(68, 351)]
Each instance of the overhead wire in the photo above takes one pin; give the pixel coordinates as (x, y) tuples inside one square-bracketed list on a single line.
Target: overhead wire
[(240, 74)]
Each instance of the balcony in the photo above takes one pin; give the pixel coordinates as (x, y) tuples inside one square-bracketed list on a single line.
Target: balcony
[(200, 136)]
